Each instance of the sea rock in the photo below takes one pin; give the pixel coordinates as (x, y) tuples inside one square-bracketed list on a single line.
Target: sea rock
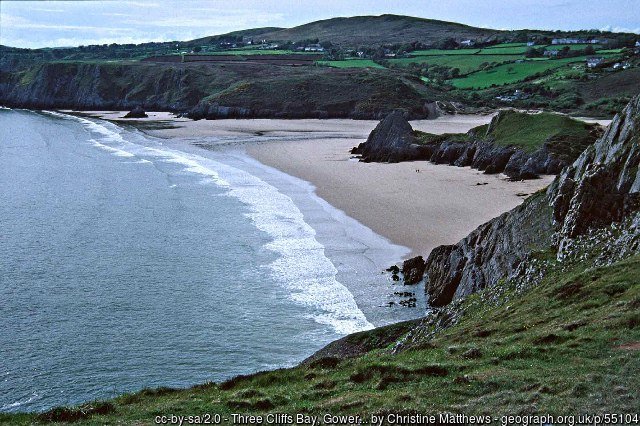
[(137, 112), (600, 188), (413, 270), (391, 141)]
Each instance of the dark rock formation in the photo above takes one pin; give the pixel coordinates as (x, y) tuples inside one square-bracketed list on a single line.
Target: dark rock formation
[(413, 270), (601, 187), (391, 141), (137, 112), (603, 184)]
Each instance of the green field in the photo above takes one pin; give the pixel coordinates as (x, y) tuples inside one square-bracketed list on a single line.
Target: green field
[(256, 52), (511, 50), (351, 63), (503, 45), (509, 73), (466, 63), (439, 52), (572, 46)]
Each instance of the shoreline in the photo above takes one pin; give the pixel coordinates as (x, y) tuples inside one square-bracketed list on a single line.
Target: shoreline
[(418, 204)]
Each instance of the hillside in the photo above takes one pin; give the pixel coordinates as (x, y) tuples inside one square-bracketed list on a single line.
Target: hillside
[(379, 30), (214, 90)]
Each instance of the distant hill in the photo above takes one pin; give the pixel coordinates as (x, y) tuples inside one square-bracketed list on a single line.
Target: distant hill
[(252, 32), (374, 31)]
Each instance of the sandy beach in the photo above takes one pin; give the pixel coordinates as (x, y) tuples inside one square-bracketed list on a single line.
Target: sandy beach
[(422, 209), (418, 205)]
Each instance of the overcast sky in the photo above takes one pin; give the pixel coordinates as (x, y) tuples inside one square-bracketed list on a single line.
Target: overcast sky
[(72, 23)]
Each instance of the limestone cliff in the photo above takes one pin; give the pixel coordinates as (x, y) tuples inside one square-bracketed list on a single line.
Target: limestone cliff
[(600, 188), (486, 148)]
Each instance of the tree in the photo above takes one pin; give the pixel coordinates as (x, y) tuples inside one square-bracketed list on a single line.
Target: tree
[(589, 50), (197, 49), (448, 43)]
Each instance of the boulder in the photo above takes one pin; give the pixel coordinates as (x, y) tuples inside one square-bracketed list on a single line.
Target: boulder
[(137, 112), (413, 270), (391, 141)]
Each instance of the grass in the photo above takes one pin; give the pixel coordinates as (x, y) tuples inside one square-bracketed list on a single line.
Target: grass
[(351, 63), (466, 63), (567, 346), (497, 50), (510, 73), (565, 136), (254, 52), (441, 52), (572, 46)]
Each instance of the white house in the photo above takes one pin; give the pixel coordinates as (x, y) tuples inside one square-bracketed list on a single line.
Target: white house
[(594, 62), (467, 43)]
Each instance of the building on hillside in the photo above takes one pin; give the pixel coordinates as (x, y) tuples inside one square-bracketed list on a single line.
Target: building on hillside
[(467, 43), (594, 62), (574, 41), (531, 43), (621, 66), (551, 53), (314, 48), (638, 43)]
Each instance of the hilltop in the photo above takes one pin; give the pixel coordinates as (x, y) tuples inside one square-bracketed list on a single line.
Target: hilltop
[(425, 67), (379, 30)]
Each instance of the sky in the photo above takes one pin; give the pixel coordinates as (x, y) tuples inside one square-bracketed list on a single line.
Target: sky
[(71, 23)]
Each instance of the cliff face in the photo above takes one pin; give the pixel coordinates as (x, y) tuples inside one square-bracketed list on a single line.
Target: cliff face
[(486, 148), (221, 90), (600, 188), (391, 141)]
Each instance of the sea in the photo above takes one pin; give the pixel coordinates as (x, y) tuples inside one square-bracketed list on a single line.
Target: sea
[(131, 262)]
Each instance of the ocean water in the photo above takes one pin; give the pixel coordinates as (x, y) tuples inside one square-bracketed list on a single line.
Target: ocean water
[(129, 262)]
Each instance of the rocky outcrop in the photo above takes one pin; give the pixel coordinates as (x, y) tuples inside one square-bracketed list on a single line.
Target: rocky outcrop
[(394, 140), (492, 159), (391, 141), (601, 187), (413, 270), (137, 112)]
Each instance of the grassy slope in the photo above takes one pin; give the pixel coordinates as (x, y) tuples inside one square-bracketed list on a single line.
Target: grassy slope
[(466, 63), (530, 131), (514, 72), (566, 137), (567, 346), (378, 30), (352, 63)]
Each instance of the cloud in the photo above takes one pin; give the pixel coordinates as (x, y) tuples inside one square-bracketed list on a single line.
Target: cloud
[(11, 22), (620, 29), (48, 10)]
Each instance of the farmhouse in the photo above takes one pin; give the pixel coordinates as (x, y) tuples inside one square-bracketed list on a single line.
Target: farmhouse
[(531, 43), (467, 43), (551, 53), (594, 62)]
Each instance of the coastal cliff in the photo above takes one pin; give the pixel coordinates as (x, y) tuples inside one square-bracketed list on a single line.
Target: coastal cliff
[(210, 91), (600, 188), (554, 141)]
